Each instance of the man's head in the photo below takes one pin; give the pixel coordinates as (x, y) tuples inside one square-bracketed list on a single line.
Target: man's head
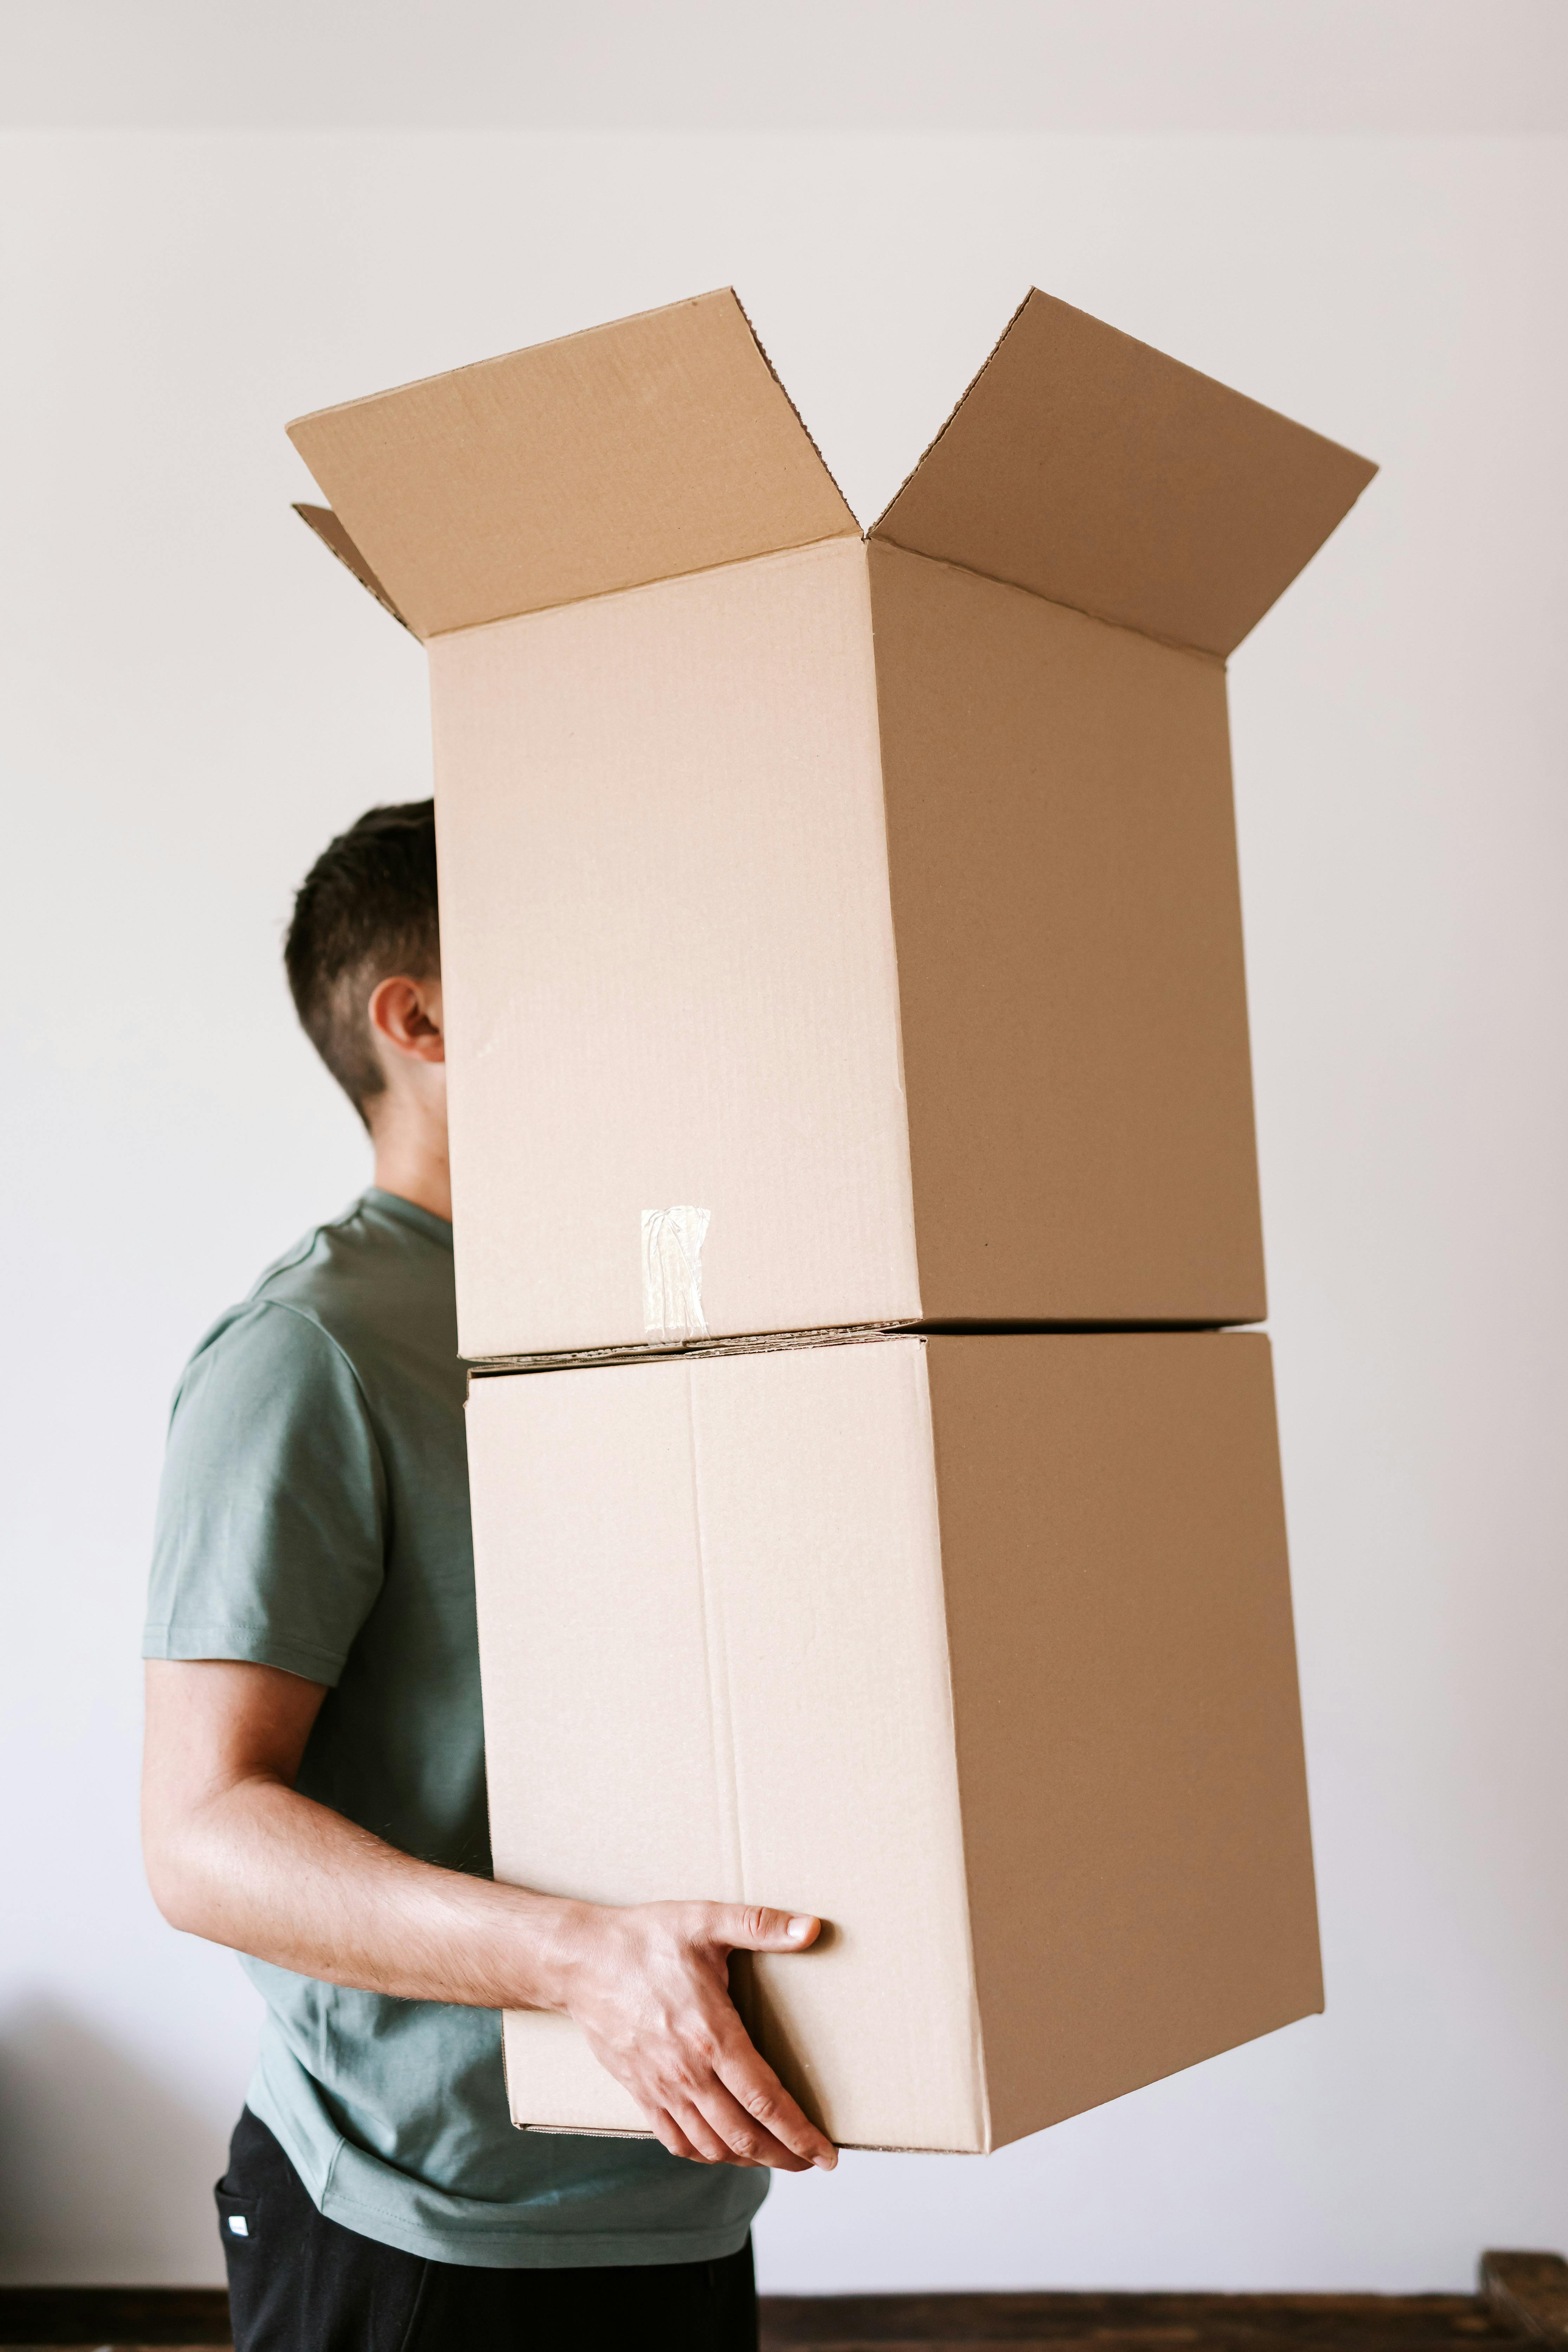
[(364, 960)]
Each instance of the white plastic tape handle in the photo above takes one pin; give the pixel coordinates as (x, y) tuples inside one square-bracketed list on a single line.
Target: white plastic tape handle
[(672, 1242)]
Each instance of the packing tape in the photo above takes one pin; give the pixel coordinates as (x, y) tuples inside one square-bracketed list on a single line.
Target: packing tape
[(672, 1242)]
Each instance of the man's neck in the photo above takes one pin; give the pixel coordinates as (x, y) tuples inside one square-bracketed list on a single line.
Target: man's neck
[(417, 1170)]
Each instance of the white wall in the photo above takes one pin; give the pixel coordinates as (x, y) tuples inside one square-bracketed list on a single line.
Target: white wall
[(197, 697), (1208, 66)]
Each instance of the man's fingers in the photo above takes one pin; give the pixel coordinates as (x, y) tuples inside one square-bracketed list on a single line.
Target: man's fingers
[(756, 2089), (750, 2140), (708, 2144), (668, 2134), (685, 2132), (749, 1928)]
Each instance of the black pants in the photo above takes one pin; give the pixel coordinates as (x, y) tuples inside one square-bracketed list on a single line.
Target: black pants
[(297, 2283)]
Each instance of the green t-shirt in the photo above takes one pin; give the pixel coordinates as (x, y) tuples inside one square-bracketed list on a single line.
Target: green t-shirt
[(314, 1516)]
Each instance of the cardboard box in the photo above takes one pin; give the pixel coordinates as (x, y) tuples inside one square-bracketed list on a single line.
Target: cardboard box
[(837, 929), (980, 1647)]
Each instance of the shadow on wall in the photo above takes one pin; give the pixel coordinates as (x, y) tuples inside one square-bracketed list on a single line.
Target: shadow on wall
[(105, 2177)]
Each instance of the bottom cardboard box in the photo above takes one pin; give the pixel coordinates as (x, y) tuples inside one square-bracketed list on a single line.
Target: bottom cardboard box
[(979, 1647)]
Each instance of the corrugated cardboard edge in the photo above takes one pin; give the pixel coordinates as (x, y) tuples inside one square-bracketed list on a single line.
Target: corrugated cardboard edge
[(856, 2146), (579, 2131), (335, 539), (874, 530), (518, 351), (794, 411), (839, 1334), (751, 1343)]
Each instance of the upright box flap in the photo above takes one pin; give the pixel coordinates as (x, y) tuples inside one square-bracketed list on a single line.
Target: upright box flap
[(1088, 468), (331, 534), (661, 445)]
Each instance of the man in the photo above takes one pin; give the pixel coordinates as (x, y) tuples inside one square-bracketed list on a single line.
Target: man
[(315, 1797)]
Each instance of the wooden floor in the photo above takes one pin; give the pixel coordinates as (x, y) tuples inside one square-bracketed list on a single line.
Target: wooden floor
[(1137, 2323), (1522, 2302), (1522, 2296)]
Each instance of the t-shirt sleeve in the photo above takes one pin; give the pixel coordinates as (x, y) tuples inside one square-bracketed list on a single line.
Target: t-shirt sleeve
[(270, 1537)]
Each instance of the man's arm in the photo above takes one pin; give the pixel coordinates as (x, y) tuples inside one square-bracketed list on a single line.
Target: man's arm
[(235, 1853)]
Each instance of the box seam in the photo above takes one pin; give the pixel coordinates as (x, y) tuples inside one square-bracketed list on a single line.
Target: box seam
[(982, 2083), (1084, 611), (640, 587), (837, 1335)]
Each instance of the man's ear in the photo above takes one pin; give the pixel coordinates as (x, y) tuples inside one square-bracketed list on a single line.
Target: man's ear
[(405, 1017)]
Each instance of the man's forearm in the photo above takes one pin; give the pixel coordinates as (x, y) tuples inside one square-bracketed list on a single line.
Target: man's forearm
[(235, 1853), (269, 1872)]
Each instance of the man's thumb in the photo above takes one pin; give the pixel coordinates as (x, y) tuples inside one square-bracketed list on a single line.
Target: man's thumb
[(745, 1927)]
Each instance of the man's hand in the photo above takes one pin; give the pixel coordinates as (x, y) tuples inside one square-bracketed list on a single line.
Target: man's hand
[(235, 1854), (649, 1986)]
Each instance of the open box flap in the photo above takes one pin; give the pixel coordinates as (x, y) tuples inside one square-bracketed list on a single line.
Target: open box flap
[(1086, 467), (331, 534), (661, 445)]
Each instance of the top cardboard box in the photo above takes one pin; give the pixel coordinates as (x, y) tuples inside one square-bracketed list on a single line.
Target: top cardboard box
[(837, 929)]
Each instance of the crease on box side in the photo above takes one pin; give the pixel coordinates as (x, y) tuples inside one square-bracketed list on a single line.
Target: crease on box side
[(981, 2084), (724, 1745), (1271, 1386), (871, 612), (716, 1667)]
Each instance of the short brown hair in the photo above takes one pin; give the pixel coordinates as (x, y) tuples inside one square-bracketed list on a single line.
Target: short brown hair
[(365, 911)]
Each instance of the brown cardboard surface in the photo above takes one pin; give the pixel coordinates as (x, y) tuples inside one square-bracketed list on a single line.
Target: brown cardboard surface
[(745, 823), (1098, 472), (1067, 909), (660, 444), (707, 1674), (1119, 1618), (331, 534), (729, 862), (978, 1647), (669, 957)]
